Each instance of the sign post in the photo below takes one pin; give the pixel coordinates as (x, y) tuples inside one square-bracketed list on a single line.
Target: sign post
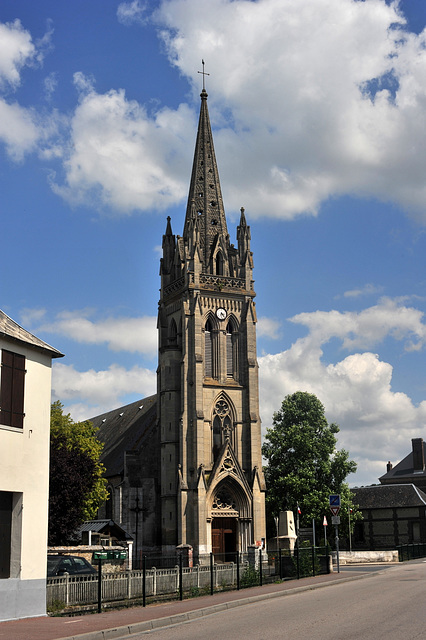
[(335, 508), (324, 522), (100, 557)]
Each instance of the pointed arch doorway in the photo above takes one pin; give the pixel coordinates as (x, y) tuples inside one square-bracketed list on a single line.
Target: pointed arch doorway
[(224, 538)]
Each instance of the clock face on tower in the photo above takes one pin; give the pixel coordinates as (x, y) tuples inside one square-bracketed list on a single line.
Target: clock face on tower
[(221, 313)]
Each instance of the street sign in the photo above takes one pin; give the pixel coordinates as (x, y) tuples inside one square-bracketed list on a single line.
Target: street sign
[(334, 503), (335, 520), (324, 522)]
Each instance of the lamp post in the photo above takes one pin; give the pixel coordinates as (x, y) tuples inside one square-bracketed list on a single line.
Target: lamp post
[(137, 510)]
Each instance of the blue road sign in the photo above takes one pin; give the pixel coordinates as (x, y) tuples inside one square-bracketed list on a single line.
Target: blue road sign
[(335, 500)]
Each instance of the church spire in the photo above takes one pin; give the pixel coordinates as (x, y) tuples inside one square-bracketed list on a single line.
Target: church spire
[(204, 192)]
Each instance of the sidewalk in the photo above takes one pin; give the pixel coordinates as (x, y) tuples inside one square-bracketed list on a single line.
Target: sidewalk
[(122, 622)]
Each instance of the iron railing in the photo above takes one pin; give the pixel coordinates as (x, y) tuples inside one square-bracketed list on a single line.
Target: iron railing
[(411, 551), (174, 577)]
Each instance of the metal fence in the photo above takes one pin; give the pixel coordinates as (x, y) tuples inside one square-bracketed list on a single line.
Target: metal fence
[(411, 551), (162, 576)]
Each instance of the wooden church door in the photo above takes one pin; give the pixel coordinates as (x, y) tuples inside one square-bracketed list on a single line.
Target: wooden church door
[(224, 538)]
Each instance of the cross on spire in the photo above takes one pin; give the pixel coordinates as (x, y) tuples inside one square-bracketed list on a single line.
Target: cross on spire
[(203, 74)]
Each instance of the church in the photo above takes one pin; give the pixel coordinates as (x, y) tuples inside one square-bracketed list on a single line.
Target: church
[(184, 466)]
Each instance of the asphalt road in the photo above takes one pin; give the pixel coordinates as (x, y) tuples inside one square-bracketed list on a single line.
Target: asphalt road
[(389, 604)]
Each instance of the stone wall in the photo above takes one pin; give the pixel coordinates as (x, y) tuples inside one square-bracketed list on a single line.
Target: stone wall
[(358, 557)]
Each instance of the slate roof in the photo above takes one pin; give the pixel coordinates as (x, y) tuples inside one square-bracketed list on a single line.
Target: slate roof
[(388, 496), (405, 469), (13, 331), (124, 429), (107, 526)]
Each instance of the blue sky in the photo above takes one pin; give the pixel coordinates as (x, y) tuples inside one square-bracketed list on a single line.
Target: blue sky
[(319, 115)]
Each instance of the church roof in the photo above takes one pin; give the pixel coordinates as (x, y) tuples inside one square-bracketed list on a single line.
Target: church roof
[(11, 330), (125, 429), (389, 496)]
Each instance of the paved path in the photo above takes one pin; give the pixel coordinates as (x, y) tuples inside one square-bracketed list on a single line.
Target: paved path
[(117, 623)]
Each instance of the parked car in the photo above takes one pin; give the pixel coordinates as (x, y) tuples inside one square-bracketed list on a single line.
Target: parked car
[(72, 565)]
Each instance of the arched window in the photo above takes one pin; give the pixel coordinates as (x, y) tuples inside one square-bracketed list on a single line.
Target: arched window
[(219, 264), (208, 350), (179, 335), (217, 437), (222, 427), (231, 351), (172, 332)]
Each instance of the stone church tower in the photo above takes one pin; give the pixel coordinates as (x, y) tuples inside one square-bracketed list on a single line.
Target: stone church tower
[(184, 466), (212, 486)]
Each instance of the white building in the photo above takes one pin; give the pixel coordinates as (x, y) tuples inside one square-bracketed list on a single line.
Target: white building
[(25, 388)]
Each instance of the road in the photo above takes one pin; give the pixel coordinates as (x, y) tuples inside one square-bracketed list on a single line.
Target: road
[(384, 605)]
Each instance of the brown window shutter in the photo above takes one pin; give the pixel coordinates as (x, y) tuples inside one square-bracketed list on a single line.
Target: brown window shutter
[(6, 387), (12, 389)]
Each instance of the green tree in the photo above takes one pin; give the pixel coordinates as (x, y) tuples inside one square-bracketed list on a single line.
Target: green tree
[(303, 467), (77, 486)]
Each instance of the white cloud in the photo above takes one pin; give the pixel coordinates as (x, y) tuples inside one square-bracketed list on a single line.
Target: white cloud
[(312, 98), (368, 289), (309, 100), (98, 391), (129, 13), (268, 327), (18, 130), (369, 327), (16, 51), (22, 130), (376, 421), (123, 158), (29, 316), (135, 335), (50, 85)]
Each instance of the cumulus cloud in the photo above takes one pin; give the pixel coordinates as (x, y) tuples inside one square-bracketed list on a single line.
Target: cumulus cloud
[(268, 328), (311, 98), (22, 130), (356, 391), (129, 13), (368, 327), (376, 421), (98, 391), (16, 51), (18, 130), (134, 335), (121, 156)]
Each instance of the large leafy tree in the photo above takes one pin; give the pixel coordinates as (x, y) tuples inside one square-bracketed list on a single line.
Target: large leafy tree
[(77, 486), (303, 467)]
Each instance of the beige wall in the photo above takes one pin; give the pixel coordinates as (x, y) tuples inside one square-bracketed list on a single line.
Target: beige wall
[(24, 471)]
